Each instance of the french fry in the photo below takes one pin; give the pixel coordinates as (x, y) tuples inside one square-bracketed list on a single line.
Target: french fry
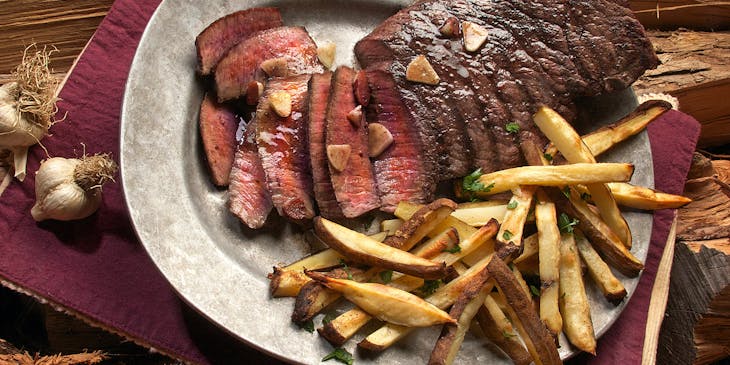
[(360, 248), (405, 211), (478, 214), (510, 231), (639, 197), (314, 297), (523, 284), (498, 329), (599, 271), (420, 224), (602, 139), (434, 246), (579, 173), (529, 248), (574, 306), (571, 146), (549, 261), (603, 238), (445, 296), (452, 335), (386, 303), (380, 236), (540, 343), (390, 226)]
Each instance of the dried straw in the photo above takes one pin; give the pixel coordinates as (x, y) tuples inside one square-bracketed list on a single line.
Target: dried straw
[(94, 171), (37, 99)]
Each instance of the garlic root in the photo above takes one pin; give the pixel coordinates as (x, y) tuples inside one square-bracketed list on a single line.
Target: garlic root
[(27, 105), (70, 189)]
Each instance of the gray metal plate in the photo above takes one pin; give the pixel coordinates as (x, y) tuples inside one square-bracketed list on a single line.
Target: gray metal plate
[(214, 262)]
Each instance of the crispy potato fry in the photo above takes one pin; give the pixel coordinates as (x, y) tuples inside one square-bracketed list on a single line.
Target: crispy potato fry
[(380, 237), (529, 248), (314, 297), (320, 260), (286, 283), (415, 228), (514, 220), (579, 173), (447, 239), (445, 296), (482, 238), (498, 329), (611, 287), (452, 335), (540, 343), (386, 303), (405, 210), (478, 214), (639, 197), (602, 139), (574, 305), (390, 226), (523, 284), (603, 238), (571, 146), (549, 260), (361, 248)]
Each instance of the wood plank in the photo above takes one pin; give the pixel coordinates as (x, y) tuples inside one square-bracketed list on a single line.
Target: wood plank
[(673, 14)]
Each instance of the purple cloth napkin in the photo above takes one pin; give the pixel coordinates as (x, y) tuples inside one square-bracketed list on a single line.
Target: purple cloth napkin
[(97, 270)]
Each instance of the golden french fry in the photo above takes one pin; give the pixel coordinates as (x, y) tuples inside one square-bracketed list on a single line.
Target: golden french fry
[(405, 211), (529, 248), (478, 214), (602, 139), (360, 248), (514, 220), (452, 335), (420, 224), (639, 197), (549, 262), (579, 173), (435, 246), (386, 303), (571, 146), (320, 260), (314, 297), (599, 271), (390, 226), (498, 329), (574, 306)]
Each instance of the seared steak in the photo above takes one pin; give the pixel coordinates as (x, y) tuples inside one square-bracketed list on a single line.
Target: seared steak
[(354, 185), (248, 196), (218, 125), (215, 40), (537, 53), (319, 94), (241, 65), (282, 144)]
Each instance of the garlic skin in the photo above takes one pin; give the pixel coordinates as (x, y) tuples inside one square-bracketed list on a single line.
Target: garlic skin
[(15, 129), (59, 194)]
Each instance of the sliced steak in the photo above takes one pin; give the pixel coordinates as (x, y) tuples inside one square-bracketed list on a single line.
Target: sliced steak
[(401, 171), (282, 144), (248, 196), (240, 66), (354, 185), (319, 94), (218, 124), (215, 40)]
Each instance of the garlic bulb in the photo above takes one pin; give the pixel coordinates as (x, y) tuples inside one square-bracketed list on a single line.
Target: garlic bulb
[(69, 189)]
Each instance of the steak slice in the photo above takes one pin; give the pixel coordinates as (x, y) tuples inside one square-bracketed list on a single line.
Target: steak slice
[(401, 172), (282, 144), (319, 93), (354, 186), (216, 39), (248, 196), (240, 66), (218, 124)]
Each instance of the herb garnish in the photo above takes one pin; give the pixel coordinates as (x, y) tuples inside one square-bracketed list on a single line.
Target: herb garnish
[(471, 182), (386, 276), (341, 355), (329, 317), (548, 157), (507, 334), (429, 286), (346, 269), (534, 291), (308, 326), (585, 196), (566, 191), (507, 235), (512, 204), (454, 249), (566, 224), (512, 127)]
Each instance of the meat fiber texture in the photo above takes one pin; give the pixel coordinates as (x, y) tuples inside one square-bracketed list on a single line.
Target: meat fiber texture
[(221, 35), (248, 195), (537, 53), (284, 151), (241, 64), (354, 186)]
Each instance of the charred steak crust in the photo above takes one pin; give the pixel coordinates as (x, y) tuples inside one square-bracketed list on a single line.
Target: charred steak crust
[(221, 35), (248, 195), (324, 193), (282, 144), (354, 186), (241, 64)]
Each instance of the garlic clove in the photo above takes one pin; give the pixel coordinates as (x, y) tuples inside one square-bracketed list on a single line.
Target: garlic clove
[(281, 103), (379, 139), (355, 116), (275, 67), (474, 36), (421, 71), (326, 54), (339, 155)]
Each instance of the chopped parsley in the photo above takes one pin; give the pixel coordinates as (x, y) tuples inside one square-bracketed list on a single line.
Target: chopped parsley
[(566, 191), (534, 290), (507, 235), (512, 204), (386, 276), (512, 127), (329, 317), (346, 269), (566, 223), (548, 157), (429, 286), (341, 355), (454, 249), (585, 196), (508, 334), (308, 326), (471, 182)]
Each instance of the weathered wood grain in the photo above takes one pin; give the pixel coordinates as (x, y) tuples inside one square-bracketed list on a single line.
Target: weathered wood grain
[(673, 14)]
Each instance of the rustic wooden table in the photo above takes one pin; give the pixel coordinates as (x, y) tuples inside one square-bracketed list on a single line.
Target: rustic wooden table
[(696, 70)]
